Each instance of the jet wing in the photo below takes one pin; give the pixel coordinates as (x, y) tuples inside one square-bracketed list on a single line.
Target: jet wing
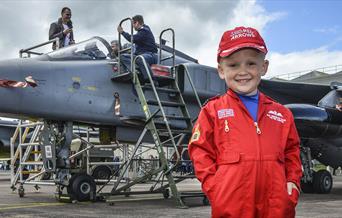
[(294, 92)]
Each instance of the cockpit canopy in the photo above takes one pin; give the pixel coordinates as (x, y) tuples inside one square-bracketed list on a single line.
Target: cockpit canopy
[(95, 48)]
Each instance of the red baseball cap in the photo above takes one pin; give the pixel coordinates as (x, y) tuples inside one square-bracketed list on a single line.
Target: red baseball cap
[(240, 37)]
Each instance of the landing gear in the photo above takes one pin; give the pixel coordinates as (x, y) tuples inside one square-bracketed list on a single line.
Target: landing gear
[(21, 191), (307, 187), (307, 179), (323, 182), (102, 172), (314, 182), (82, 187), (205, 201), (166, 193)]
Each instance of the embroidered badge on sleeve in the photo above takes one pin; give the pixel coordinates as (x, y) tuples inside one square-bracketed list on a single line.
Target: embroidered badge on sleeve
[(196, 135)]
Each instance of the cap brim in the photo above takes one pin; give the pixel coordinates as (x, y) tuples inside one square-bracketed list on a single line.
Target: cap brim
[(229, 51)]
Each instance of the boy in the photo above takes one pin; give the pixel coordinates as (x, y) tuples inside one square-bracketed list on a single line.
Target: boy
[(245, 147)]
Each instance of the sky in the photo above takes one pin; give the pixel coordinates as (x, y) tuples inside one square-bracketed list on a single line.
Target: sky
[(300, 35)]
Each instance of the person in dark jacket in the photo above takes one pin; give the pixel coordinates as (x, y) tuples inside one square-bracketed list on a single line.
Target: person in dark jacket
[(62, 29), (145, 44)]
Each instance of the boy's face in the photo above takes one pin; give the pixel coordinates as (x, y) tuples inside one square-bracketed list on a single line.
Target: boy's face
[(242, 70)]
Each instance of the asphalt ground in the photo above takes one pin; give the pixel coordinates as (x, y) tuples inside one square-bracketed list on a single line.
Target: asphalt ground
[(43, 204)]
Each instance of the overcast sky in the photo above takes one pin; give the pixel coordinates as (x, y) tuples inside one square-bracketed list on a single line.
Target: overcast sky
[(300, 35)]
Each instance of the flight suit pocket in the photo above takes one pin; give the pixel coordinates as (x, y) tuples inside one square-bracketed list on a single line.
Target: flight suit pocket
[(294, 197), (230, 186), (228, 158), (279, 201)]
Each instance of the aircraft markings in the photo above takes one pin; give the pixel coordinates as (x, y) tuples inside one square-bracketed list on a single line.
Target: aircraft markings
[(91, 88), (76, 79)]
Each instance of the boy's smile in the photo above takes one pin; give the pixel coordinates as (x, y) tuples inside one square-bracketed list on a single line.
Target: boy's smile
[(242, 70)]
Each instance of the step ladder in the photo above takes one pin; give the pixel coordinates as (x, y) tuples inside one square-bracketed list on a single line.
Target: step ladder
[(27, 155), (158, 96)]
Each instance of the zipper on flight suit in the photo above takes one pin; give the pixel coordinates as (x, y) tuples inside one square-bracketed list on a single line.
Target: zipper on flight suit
[(258, 131), (226, 127)]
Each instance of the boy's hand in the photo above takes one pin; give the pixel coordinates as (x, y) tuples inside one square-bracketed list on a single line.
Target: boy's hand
[(290, 186)]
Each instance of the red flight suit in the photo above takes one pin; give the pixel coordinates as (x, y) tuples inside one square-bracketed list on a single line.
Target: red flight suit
[(243, 165)]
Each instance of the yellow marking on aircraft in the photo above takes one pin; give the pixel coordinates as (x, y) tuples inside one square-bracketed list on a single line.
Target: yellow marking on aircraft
[(33, 119), (91, 88), (28, 205), (76, 79)]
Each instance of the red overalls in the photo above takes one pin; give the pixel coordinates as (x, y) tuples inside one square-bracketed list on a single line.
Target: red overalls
[(244, 165)]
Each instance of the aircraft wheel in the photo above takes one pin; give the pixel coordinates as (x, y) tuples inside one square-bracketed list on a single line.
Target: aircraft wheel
[(166, 193), (205, 201), (307, 187), (82, 187), (127, 192), (46, 176), (322, 182), (26, 173), (21, 191), (101, 172)]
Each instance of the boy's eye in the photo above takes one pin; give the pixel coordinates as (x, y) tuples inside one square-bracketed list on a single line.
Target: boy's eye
[(231, 65)]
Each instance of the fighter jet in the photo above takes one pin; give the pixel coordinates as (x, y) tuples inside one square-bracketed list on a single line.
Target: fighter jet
[(81, 84), (318, 117)]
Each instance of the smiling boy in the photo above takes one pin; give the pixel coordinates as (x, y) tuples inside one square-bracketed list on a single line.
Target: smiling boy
[(245, 146)]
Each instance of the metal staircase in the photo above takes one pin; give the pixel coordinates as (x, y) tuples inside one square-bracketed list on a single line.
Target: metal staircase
[(167, 120)]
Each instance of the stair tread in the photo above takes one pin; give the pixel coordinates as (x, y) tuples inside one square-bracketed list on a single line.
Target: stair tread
[(176, 131), (148, 86), (163, 78), (122, 77), (173, 117), (165, 103)]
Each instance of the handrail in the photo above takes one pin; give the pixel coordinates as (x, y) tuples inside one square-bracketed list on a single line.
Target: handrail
[(29, 52), (192, 86), (294, 75), (125, 49), (135, 78), (173, 56)]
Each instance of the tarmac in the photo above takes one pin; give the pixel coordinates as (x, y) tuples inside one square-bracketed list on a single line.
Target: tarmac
[(43, 204)]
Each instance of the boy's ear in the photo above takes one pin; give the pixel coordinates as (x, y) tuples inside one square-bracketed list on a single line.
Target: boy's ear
[(265, 67), (220, 71)]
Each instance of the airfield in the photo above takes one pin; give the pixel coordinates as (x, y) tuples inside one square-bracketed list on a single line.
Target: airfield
[(43, 204)]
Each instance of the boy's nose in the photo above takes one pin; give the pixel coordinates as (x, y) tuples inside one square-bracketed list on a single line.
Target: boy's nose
[(243, 70)]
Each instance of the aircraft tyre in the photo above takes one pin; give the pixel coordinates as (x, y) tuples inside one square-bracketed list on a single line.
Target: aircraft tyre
[(322, 182), (307, 187), (205, 201), (101, 172), (26, 173), (21, 192), (82, 187), (166, 193), (46, 176)]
